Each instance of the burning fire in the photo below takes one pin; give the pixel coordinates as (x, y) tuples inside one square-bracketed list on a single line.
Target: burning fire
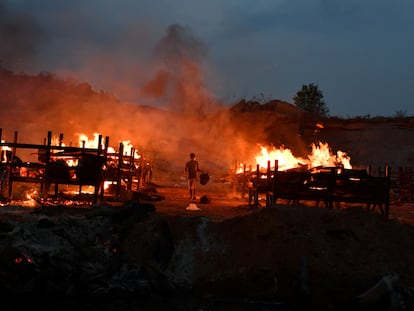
[(128, 148), (286, 159), (84, 141), (321, 155)]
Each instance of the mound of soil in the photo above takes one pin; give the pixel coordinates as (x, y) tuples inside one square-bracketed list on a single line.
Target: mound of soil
[(300, 255), (303, 256)]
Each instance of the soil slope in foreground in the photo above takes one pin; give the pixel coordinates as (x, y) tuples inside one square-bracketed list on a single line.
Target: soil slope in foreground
[(299, 255)]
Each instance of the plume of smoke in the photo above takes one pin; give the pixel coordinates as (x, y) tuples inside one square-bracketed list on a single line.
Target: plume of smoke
[(192, 121), (178, 83), (179, 43)]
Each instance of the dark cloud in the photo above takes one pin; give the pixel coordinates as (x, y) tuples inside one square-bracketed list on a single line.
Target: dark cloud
[(20, 37), (269, 47)]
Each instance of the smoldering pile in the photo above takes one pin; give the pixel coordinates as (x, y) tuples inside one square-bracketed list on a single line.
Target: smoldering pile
[(52, 253)]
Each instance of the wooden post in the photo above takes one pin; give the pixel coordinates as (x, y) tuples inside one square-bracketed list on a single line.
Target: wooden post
[(47, 164), (149, 178), (10, 181), (99, 144), (274, 199), (130, 170), (256, 195), (119, 171), (105, 160), (331, 188), (98, 182), (106, 145), (387, 203), (244, 181), (141, 172), (60, 139), (268, 171), (268, 184), (3, 171), (234, 179), (14, 148), (83, 147)]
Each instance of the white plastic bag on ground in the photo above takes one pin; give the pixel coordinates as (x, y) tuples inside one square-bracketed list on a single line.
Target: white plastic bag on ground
[(192, 207)]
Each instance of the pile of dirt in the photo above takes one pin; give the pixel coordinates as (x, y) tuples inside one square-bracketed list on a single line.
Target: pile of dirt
[(223, 256), (321, 258)]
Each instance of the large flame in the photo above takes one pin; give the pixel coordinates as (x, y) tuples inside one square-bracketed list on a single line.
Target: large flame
[(321, 155), (85, 141), (286, 160)]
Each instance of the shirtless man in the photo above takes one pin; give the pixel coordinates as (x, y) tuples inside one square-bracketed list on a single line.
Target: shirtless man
[(191, 170)]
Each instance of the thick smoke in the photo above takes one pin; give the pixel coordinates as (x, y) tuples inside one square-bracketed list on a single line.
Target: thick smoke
[(20, 36), (179, 43), (34, 105), (178, 82), (196, 122), (190, 120)]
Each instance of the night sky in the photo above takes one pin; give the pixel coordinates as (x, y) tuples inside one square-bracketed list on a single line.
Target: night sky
[(359, 52)]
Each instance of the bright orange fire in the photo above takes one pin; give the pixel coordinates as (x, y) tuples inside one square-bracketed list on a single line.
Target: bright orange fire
[(286, 159), (93, 143), (128, 148), (321, 155)]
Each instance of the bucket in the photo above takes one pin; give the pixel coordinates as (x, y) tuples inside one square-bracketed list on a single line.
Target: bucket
[(204, 178)]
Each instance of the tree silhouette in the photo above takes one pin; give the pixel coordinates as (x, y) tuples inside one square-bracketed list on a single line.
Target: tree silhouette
[(310, 99)]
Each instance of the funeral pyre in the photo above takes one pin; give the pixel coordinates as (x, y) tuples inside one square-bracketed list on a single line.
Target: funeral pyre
[(271, 159), (322, 177), (93, 167)]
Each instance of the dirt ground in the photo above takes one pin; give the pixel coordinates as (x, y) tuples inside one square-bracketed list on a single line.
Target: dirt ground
[(226, 203), (225, 255), (223, 202), (308, 257)]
